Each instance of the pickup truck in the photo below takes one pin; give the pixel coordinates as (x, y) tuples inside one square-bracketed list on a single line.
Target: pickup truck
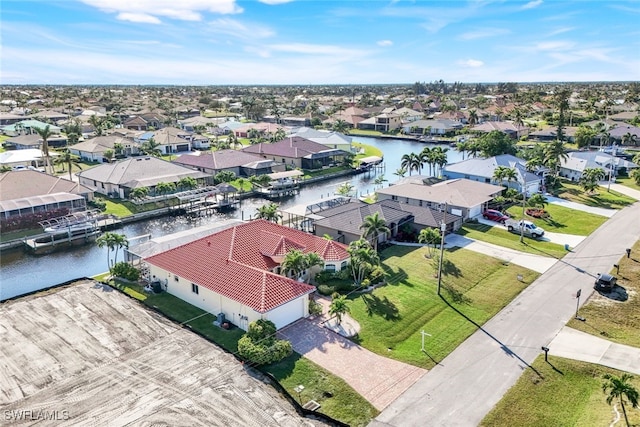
[(530, 229)]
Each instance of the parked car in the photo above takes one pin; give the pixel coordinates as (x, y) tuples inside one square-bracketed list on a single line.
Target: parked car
[(494, 215), (526, 227), (605, 282)]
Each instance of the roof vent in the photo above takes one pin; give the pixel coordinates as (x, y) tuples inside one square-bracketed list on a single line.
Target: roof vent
[(208, 243)]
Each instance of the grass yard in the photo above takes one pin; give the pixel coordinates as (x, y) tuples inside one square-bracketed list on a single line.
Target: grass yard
[(3, 138), (368, 150), (364, 132), (571, 398), (602, 199), (629, 182), (391, 317), (13, 235), (501, 237), (337, 398), (616, 320), (563, 220)]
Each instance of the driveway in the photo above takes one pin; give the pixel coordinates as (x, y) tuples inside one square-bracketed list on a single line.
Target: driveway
[(578, 345), (378, 379), (561, 239), (464, 387), (533, 262), (580, 207), (623, 189)]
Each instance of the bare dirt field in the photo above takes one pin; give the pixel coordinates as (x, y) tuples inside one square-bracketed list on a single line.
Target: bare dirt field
[(88, 355)]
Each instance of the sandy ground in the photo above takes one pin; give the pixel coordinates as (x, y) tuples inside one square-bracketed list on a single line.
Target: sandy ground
[(88, 355)]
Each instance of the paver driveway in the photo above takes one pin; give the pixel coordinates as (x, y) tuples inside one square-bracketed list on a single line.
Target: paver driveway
[(378, 379)]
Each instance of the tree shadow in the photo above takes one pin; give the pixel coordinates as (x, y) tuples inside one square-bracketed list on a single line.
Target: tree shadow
[(455, 295), (450, 269), (503, 346), (553, 223), (381, 307), (398, 277)]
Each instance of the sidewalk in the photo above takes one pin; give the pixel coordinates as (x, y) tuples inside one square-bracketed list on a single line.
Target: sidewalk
[(580, 207), (623, 189), (577, 345)]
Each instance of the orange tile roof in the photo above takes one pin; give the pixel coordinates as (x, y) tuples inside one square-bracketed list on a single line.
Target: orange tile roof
[(235, 262)]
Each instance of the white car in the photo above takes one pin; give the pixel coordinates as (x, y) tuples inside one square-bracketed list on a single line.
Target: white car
[(526, 227)]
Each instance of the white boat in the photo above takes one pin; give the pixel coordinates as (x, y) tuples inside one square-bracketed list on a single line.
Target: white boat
[(78, 228)]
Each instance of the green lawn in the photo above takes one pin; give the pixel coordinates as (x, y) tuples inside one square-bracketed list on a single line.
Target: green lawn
[(602, 198), (3, 138), (122, 208), (614, 320), (571, 397), (337, 398), (563, 220), (13, 235), (369, 150), (629, 182), (501, 237), (363, 132), (391, 317)]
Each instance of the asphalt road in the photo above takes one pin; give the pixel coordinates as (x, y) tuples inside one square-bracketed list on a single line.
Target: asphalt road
[(466, 385)]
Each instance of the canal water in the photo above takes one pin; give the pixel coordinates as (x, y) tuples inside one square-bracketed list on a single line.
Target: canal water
[(21, 272)]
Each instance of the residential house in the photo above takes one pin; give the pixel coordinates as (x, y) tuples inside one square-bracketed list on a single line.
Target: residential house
[(384, 122), (408, 114), (463, 197), (240, 163), (93, 149), (514, 131), (33, 140), (23, 159), (432, 127), (172, 140), (618, 132), (235, 272), (26, 192), (119, 178), (343, 223), (577, 161), (28, 127), (329, 139), (298, 152), (482, 170), (262, 127)]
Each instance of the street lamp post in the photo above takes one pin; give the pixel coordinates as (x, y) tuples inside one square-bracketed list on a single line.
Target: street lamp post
[(443, 230), (524, 202), (298, 389), (578, 305)]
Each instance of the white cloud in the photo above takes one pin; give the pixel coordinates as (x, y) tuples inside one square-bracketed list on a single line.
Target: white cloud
[(471, 63), (272, 2), (183, 10), (314, 49), (532, 4), (385, 43), (138, 17), (560, 31), (554, 46), (483, 33), (237, 29)]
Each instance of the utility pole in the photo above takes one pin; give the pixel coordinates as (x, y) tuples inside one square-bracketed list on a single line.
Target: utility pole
[(524, 202), (443, 230)]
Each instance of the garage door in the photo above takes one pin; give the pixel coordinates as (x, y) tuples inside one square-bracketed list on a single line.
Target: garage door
[(287, 313)]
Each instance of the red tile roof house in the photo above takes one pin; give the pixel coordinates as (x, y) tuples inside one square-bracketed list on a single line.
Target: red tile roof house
[(235, 272), (298, 152)]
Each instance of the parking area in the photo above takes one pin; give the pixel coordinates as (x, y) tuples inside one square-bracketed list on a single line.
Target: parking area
[(91, 356)]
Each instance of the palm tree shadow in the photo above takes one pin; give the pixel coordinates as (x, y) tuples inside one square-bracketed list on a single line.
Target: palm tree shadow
[(381, 307), (457, 296), (450, 269), (503, 346)]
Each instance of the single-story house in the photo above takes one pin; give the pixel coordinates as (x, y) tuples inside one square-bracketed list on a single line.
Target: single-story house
[(463, 197), (119, 178), (298, 152), (242, 131), (514, 131), (240, 163), (170, 139), (482, 170), (28, 126), (618, 132), (432, 127), (343, 222), (26, 192), (29, 158), (577, 161), (330, 139), (235, 272), (93, 149), (24, 142)]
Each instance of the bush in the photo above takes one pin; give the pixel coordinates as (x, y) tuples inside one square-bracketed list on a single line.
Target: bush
[(325, 290), (315, 308), (98, 204), (260, 346), (25, 222), (125, 271)]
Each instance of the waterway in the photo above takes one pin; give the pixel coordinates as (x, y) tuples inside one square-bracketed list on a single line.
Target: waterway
[(21, 272)]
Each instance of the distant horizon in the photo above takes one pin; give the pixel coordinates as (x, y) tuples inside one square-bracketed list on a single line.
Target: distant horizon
[(317, 42)]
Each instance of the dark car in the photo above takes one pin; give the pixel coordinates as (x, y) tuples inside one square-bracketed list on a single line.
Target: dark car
[(605, 282), (495, 215)]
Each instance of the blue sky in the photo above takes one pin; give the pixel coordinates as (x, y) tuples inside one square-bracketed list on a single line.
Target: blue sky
[(209, 42)]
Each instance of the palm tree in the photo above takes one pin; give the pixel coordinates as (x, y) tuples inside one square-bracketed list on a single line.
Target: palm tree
[(502, 173), (363, 259), (635, 175), (268, 212), (293, 264), (473, 117), (463, 147), (73, 130), (113, 242), (151, 148), (45, 133), (341, 126), (345, 189), (400, 173), (553, 153), (621, 388), (139, 193), (405, 162), (439, 157), (66, 158), (312, 259), (429, 236), (426, 157), (108, 154), (164, 188), (629, 138), (373, 226), (187, 183), (339, 307), (590, 178), (537, 200), (97, 123)]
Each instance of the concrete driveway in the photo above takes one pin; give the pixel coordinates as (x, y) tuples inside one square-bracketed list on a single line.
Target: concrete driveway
[(561, 239), (623, 189), (580, 207), (378, 379)]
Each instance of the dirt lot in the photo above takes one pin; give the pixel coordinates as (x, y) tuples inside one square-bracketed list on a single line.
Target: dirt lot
[(87, 355)]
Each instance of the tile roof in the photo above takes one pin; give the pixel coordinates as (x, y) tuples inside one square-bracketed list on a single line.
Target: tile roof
[(30, 183), (485, 168), (293, 147), (235, 262), (222, 159)]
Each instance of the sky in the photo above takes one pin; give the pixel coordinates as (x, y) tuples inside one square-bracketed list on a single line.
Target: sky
[(300, 42)]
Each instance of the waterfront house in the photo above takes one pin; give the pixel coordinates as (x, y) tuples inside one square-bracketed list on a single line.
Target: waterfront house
[(23, 159), (482, 170), (93, 149), (432, 127), (298, 152), (330, 139), (463, 197), (236, 272), (240, 163), (514, 131), (119, 178), (27, 192), (170, 139), (577, 161)]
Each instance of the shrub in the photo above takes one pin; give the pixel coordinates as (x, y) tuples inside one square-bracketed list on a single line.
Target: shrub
[(315, 308), (125, 271), (98, 204), (260, 346), (325, 290)]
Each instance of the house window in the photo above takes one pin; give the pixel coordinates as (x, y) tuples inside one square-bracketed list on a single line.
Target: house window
[(330, 267), (195, 289), (487, 180), (176, 279), (420, 203), (394, 197), (339, 232), (343, 265)]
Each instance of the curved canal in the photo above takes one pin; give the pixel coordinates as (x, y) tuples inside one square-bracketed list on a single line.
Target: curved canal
[(21, 272)]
